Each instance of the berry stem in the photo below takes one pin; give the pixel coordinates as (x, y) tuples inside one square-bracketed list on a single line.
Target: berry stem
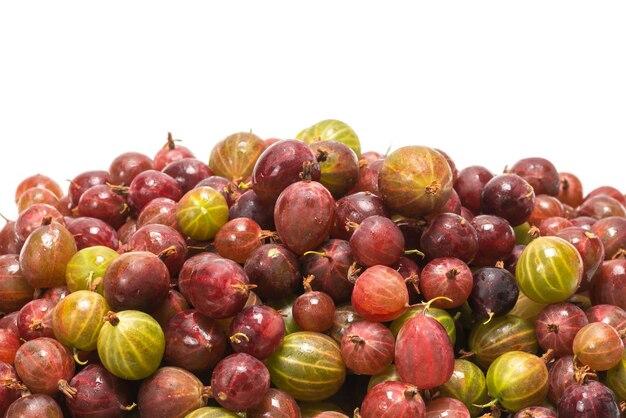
[(66, 389), (78, 360), (316, 253), (111, 318)]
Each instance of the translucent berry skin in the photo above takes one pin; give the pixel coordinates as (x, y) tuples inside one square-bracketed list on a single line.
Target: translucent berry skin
[(367, 347), (125, 167), (469, 185), (303, 215), (187, 172), (496, 239), (598, 346), (415, 181), (330, 269), (557, 325), (591, 400), (377, 240), (276, 404), (201, 213), (257, 330), (103, 203), (239, 382), (380, 294), (149, 185), (393, 399), (234, 157), (424, 355), (42, 363), (355, 208), (314, 311)]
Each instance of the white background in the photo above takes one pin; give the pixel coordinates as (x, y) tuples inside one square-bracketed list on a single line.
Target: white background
[(489, 82)]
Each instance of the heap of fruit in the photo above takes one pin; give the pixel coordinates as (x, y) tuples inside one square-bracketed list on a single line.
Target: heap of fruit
[(303, 278)]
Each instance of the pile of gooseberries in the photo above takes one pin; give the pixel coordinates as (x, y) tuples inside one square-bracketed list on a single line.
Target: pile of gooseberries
[(305, 277)]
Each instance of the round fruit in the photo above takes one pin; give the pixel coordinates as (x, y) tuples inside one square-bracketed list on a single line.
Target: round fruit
[(331, 130), (308, 366), (240, 382), (131, 344), (557, 325), (393, 399), (591, 400), (380, 294), (45, 366), (508, 196), (85, 270), (34, 406), (276, 404), (234, 157), (598, 346), (367, 347), (415, 181), (78, 318), (466, 384), (15, 291), (549, 270), (518, 380), (201, 213)]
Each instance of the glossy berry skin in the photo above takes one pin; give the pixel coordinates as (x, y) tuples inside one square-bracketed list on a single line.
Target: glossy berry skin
[(193, 341), (314, 311), (276, 404), (424, 355), (174, 303), (496, 239), (170, 152), (339, 166), (170, 392), (589, 247), (545, 207), (89, 232), (549, 270), (238, 237), (275, 270), (201, 213), (32, 218), (239, 382), (393, 399), (345, 316), (136, 280), (9, 390), (508, 196), (377, 240), (234, 157), (34, 406), (159, 211), (125, 167), (450, 235), (557, 325), (330, 265), (257, 330), (560, 377), (570, 189), (280, 165), (38, 180), (218, 288), (35, 319), (367, 347), (78, 318), (227, 188), (611, 315), (187, 172), (380, 294), (490, 340), (466, 384), (494, 292), (612, 232), (446, 408), (591, 400), (9, 344), (105, 204), (249, 205), (518, 380), (85, 181), (331, 130), (598, 346), (539, 173), (149, 185), (45, 254), (609, 284), (355, 208), (131, 344), (448, 277), (162, 241), (469, 186), (368, 178), (415, 181), (600, 207), (304, 215), (15, 291), (99, 394), (44, 365), (9, 242)]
